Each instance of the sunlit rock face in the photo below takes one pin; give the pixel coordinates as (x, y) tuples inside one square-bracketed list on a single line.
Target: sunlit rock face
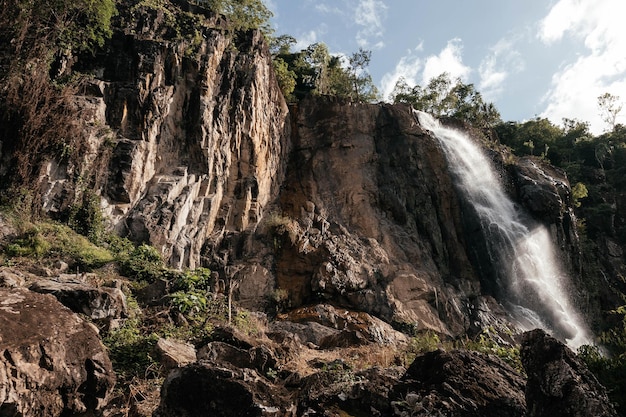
[(379, 224), (186, 143)]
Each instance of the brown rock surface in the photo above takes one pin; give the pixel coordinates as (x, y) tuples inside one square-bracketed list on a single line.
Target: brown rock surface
[(559, 384), (52, 362), (460, 383)]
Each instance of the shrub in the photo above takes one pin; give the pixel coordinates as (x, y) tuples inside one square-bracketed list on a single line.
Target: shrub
[(144, 263), (53, 240), (131, 351), (486, 343)]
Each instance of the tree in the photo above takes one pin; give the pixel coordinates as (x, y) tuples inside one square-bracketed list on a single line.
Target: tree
[(363, 87), (281, 45), (286, 77), (442, 97), (60, 25), (610, 106), (243, 14)]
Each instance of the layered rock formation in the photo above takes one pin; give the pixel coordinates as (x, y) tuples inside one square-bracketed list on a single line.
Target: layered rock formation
[(187, 141)]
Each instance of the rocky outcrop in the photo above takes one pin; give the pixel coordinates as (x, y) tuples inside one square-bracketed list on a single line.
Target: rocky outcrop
[(97, 303), (187, 140), (559, 384), (460, 383), (377, 221), (52, 362)]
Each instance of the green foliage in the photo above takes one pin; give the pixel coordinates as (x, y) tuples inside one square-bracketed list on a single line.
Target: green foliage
[(132, 351), (76, 25), (487, 342), (421, 343), (57, 241), (579, 191), (363, 87), (242, 14), (144, 263), (443, 97), (286, 77), (86, 218), (315, 71), (610, 366)]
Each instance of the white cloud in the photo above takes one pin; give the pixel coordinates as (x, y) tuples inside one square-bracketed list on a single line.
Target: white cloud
[(601, 68), (305, 39), (324, 8), (408, 68), (449, 60), (370, 14), (494, 69)]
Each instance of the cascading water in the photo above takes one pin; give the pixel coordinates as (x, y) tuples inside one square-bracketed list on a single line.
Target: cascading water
[(527, 274)]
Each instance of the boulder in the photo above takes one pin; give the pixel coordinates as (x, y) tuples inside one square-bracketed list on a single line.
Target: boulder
[(338, 390), (343, 327), (97, 303), (204, 389), (559, 384), (259, 358), (52, 362), (459, 383), (174, 353)]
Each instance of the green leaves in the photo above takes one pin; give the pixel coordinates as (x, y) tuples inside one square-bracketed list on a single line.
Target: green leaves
[(443, 97), (243, 14)]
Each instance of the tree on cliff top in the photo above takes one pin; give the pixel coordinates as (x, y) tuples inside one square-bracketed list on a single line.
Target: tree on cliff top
[(243, 14), (314, 70), (442, 97), (75, 25)]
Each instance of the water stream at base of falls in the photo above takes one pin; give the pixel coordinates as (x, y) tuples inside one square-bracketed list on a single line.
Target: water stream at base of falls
[(531, 284)]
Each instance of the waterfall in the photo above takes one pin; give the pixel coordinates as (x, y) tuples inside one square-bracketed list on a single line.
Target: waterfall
[(522, 258)]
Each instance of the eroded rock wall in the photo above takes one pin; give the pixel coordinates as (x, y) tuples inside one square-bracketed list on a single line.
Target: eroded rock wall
[(187, 140), (379, 220)]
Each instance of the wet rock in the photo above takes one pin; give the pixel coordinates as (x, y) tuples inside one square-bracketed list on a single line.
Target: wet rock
[(542, 189), (52, 362), (559, 384), (459, 383)]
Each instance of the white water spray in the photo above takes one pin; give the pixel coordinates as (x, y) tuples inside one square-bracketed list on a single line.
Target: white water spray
[(527, 270)]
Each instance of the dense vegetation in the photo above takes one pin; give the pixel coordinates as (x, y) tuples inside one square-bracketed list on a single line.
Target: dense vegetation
[(314, 70)]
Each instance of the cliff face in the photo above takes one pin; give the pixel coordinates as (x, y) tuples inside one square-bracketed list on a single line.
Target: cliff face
[(187, 141), (191, 148), (378, 215)]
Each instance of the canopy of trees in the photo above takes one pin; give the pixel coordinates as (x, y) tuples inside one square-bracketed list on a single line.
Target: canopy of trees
[(243, 14), (77, 25), (315, 71), (443, 97)]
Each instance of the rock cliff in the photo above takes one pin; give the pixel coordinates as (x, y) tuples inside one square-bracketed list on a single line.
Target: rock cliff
[(190, 147)]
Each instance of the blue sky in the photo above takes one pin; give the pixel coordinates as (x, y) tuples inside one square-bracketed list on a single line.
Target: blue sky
[(546, 58)]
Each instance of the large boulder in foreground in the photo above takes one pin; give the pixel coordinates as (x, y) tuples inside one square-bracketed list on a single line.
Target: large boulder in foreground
[(559, 384), (207, 389), (52, 362), (459, 383)]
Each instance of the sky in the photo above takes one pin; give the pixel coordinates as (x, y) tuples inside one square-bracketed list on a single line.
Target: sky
[(531, 58)]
